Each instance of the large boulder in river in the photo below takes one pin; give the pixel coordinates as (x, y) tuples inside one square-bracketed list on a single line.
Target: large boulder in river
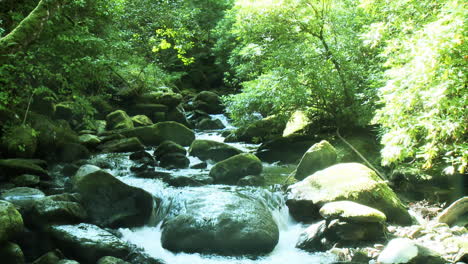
[(169, 99), (57, 209), (261, 130), (157, 133), (230, 170), (87, 243), (212, 150), (346, 181), (110, 202), (141, 120), (221, 222), (14, 167), (11, 221), (208, 102), (122, 145), (317, 157), (22, 197), (119, 120)]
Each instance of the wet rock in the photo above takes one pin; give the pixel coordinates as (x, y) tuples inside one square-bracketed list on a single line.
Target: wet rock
[(110, 202), (13, 167), (351, 211), (189, 180), (285, 149), (251, 181), (26, 180), (312, 239), (261, 130), (19, 141), (89, 140), (221, 222), (153, 175), (141, 120), (230, 170), (346, 181), (11, 253), (143, 157), (318, 157), (212, 150), (119, 120), (51, 257), (23, 197), (200, 165), (208, 102), (67, 261), (178, 115), (111, 260), (87, 243), (169, 99), (11, 221), (403, 250), (72, 152), (174, 161), (56, 210), (160, 132), (168, 147), (209, 124), (122, 145)]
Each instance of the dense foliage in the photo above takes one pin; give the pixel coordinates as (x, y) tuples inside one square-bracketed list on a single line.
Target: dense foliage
[(399, 65)]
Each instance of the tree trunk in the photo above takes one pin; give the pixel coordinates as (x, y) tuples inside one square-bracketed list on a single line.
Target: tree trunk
[(30, 28)]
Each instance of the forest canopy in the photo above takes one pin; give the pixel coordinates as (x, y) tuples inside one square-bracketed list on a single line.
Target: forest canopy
[(397, 66)]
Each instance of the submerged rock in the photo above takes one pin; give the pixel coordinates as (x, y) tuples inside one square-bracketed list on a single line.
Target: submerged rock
[(346, 181), (110, 202), (221, 222), (230, 170), (318, 157), (87, 243), (11, 221), (212, 150)]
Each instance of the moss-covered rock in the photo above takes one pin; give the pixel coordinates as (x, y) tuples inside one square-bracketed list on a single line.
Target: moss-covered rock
[(11, 253), (317, 157), (111, 260), (19, 141), (89, 140), (210, 124), (110, 202), (285, 149), (169, 99), (346, 181), (56, 210), (119, 120), (212, 150), (26, 180), (168, 147), (87, 243), (51, 257), (11, 221), (64, 111), (141, 120), (147, 109), (122, 145), (297, 123), (230, 170), (70, 152), (208, 102), (162, 131), (351, 211), (261, 130), (22, 197), (15, 167), (222, 222)]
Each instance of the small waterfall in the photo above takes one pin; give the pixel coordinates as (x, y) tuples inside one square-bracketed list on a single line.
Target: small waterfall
[(171, 201)]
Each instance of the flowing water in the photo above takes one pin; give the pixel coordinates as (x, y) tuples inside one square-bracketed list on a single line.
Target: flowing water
[(149, 237)]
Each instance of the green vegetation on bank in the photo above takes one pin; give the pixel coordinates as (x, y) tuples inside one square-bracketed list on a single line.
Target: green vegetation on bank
[(397, 65)]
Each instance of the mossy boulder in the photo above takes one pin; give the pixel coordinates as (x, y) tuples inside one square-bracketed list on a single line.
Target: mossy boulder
[(15, 167), (141, 120), (285, 149), (351, 211), (119, 120), (26, 180), (219, 221), (169, 147), (261, 130), (297, 123), (345, 181), (162, 131), (210, 124), (19, 141), (122, 145), (57, 209), (111, 260), (318, 157), (212, 150), (169, 99), (110, 202), (11, 221), (230, 170), (89, 140), (147, 109), (64, 111), (87, 243), (208, 102), (11, 253)]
